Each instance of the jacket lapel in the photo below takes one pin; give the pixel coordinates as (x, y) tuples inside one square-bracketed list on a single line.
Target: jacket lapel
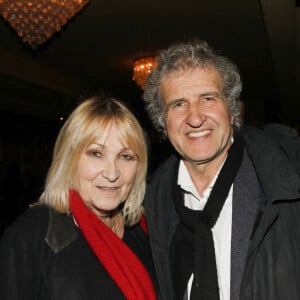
[(246, 198)]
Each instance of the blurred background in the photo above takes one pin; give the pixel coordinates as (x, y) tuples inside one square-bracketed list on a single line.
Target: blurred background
[(95, 48)]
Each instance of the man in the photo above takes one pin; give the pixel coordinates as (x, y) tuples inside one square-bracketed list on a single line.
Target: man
[(223, 212)]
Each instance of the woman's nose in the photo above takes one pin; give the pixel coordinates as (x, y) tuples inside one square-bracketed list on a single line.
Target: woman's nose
[(110, 171)]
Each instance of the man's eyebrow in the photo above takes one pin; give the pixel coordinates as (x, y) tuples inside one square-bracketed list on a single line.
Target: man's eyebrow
[(211, 93), (173, 102)]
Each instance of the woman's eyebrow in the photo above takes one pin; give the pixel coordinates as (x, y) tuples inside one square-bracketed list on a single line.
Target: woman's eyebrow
[(98, 144)]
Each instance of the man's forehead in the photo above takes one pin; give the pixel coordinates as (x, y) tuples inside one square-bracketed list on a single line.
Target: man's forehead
[(187, 71)]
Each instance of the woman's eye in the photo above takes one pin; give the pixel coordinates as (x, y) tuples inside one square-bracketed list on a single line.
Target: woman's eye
[(128, 157), (94, 153)]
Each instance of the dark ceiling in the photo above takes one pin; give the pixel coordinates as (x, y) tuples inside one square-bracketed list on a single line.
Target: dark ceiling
[(96, 49)]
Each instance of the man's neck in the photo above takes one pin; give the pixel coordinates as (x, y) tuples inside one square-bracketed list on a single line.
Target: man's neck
[(203, 174)]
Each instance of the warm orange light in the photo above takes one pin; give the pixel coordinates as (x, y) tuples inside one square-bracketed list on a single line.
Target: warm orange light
[(141, 69)]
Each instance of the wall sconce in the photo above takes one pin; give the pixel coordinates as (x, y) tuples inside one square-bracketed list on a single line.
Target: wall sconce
[(141, 69)]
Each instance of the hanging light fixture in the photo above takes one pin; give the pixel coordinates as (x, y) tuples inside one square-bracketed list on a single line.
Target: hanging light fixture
[(141, 69), (37, 20)]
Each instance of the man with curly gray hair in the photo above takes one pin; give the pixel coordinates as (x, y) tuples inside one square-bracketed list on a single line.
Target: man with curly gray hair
[(220, 217)]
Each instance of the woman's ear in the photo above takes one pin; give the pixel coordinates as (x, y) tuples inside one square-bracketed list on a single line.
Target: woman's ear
[(165, 132), (232, 120)]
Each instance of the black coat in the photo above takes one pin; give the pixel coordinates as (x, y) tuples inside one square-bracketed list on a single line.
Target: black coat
[(44, 256), (266, 223)]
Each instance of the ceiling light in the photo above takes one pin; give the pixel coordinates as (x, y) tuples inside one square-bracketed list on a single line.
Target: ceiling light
[(37, 20), (141, 69)]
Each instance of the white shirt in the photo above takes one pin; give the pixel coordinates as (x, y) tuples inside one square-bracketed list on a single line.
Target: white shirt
[(221, 231)]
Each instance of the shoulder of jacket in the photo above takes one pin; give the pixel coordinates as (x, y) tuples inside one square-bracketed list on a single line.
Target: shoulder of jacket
[(61, 230), (277, 177), (165, 170), (30, 227)]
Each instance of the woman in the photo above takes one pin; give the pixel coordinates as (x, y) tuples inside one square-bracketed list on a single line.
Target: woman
[(85, 240)]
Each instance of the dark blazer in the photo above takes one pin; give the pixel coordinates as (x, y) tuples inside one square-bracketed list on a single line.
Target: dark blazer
[(265, 227), (43, 255)]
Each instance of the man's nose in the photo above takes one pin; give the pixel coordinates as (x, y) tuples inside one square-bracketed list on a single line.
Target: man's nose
[(195, 115)]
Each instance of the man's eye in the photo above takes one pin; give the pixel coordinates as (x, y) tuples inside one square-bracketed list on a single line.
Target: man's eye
[(208, 98), (177, 105)]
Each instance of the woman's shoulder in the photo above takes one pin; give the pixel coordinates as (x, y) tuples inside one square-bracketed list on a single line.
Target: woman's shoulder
[(30, 224), (33, 215)]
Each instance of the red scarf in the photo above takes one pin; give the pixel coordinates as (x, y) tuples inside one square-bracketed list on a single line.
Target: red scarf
[(120, 262)]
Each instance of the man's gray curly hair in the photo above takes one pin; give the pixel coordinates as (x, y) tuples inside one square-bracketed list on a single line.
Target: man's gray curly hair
[(185, 56)]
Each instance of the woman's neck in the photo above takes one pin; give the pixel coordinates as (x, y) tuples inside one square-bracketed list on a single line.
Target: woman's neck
[(115, 221)]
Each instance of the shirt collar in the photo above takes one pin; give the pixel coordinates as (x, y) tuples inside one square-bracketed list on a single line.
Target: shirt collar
[(186, 184)]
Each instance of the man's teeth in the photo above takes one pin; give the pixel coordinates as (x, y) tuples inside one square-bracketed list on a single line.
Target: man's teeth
[(199, 134)]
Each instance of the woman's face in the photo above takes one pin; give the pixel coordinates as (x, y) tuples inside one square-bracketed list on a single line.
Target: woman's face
[(105, 173)]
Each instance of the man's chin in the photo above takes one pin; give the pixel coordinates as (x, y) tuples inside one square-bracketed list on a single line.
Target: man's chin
[(201, 160)]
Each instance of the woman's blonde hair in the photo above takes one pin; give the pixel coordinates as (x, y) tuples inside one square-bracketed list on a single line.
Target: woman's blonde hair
[(85, 125)]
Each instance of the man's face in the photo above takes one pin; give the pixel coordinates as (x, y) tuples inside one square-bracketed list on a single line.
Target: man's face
[(197, 118)]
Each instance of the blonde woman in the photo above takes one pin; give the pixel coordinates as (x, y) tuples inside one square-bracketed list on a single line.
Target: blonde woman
[(85, 239)]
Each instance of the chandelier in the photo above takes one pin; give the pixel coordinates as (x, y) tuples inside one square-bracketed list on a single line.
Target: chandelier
[(37, 20), (141, 69)]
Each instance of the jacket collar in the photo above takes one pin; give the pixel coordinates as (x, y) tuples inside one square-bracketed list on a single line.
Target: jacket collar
[(275, 173), (61, 230)]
